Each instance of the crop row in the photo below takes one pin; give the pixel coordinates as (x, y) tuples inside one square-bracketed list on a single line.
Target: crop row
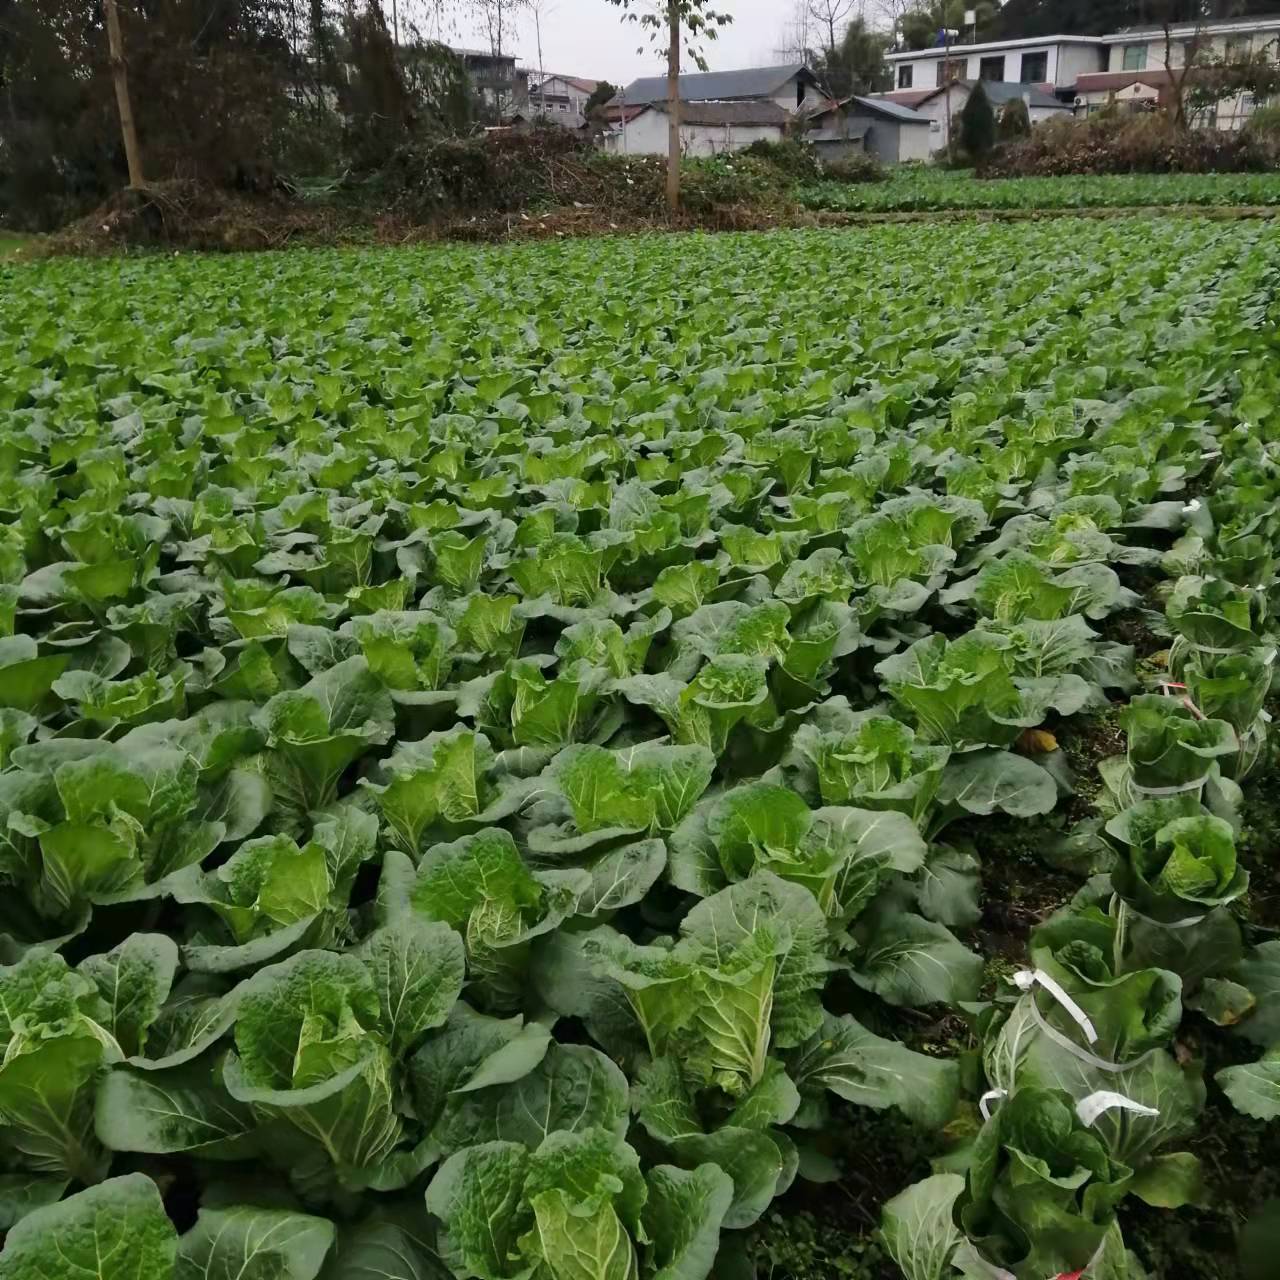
[(913, 189)]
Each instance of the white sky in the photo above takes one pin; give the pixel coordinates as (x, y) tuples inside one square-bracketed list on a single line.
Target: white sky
[(589, 38)]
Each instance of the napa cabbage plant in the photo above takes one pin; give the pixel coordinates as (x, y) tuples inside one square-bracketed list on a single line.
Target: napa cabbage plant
[(962, 692), (576, 1205), (1034, 1163), (318, 1038), (841, 855)]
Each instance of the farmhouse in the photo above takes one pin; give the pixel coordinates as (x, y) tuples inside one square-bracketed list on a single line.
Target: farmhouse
[(1134, 66), (720, 112), (1142, 62), (706, 128), (1052, 63), (792, 86), (557, 95), (884, 129), (496, 79), (943, 106)]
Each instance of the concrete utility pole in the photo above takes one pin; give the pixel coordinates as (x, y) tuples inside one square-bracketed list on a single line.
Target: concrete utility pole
[(115, 45), (673, 108), (947, 33)]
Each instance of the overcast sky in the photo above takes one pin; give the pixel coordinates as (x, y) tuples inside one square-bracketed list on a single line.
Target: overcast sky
[(589, 38)]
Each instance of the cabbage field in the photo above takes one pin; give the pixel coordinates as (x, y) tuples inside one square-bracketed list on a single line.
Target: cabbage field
[(539, 763), (915, 189)]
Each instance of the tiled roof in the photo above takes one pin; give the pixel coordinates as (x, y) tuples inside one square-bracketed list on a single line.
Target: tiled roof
[(717, 86), (1001, 91)]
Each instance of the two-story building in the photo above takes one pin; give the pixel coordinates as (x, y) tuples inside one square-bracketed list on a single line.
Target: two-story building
[(561, 95), (1050, 63), (496, 79), (1133, 67), (1143, 62)]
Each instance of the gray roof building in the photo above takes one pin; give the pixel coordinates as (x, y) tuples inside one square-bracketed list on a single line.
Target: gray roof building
[(744, 84), (1000, 92), (856, 105)]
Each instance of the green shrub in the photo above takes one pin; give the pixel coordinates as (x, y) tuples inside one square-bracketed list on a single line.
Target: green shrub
[(977, 124), (1015, 120), (1147, 143), (794, 157), (723, 181), (856, 167), (1265, 122)]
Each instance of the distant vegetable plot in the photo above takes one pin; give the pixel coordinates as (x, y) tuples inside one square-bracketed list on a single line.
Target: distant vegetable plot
[(508, 757), (923, 190)]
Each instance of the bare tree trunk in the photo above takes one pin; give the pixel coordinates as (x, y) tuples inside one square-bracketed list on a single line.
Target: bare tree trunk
[(542, 75), (673, 108), (115, 45), (1176, 109)]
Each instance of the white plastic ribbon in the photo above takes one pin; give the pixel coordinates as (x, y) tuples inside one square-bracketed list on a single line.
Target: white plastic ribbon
[(984, 1102), (1025, 979), (1028, 978), (1096, 1104), (1089, 1059)]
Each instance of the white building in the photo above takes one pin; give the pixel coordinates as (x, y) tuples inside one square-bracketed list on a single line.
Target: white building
[(1141, 62), (1052, 62), (561, 95), (943, 106), (706, 128), (1088, 72), (890, 132)]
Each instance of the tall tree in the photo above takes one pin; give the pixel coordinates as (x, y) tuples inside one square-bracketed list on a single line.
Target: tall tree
[(856, 64), (829, 18), (124, 103), (921, 24), (498, 19), (977, 124), (666, 25), (602, 93), (1030, 18)]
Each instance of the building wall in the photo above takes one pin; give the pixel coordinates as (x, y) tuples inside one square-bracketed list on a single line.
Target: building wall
[(1079, 60), (936, 110), (786, 96), (561, 96), (1065, 60), (1228, 115), (646, 135), (914, 142), (830, 149), (1208, 47)]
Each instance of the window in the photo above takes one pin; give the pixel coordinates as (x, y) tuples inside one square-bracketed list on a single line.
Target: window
[(950, 69), (1135, 57), (1035, 68), (1237, 48), (906, 74), (991, 68)]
